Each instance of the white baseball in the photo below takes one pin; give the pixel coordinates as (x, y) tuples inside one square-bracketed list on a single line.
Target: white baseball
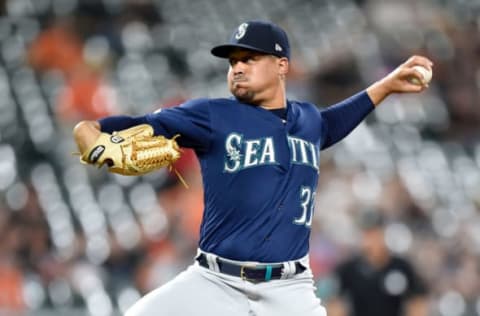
[(426, 74)]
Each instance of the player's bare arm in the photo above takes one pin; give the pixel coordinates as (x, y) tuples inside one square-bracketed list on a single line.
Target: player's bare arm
[(400, 80)]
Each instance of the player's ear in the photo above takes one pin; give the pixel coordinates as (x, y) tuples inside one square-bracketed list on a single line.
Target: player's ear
[(283, 66)]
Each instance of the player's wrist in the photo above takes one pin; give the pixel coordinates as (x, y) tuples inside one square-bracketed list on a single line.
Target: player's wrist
[(378, 91)]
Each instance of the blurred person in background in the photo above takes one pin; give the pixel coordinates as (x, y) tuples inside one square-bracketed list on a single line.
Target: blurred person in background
[(376, 282), (11, 273), (87, 93)]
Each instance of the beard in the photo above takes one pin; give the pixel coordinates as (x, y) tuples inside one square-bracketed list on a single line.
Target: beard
[(242, 93)]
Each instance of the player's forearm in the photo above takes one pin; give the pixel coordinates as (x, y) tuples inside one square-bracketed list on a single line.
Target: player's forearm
[(377, 92), (343, 117)]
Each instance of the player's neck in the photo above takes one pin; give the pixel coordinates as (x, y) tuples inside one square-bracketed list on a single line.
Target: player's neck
[(277, 100), (275, 106)]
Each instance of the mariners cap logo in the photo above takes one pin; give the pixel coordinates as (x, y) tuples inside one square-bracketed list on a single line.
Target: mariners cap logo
[(242, 29)]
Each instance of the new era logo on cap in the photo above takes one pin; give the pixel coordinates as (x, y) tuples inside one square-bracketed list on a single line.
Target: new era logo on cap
[(260, 36)]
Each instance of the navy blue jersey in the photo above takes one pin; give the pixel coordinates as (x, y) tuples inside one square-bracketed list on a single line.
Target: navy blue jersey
[(259, 172)]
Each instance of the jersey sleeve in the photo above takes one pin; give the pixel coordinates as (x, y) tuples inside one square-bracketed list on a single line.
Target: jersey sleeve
[(191, 120), (342, 118), (114, 123)]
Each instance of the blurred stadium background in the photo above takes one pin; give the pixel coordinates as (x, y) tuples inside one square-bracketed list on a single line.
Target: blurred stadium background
[(78, 241)]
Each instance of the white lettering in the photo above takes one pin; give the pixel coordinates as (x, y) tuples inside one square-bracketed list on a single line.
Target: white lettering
[(303, 151), (251, 157), (268, 155), (293, 148), (232, 146), (314, 156)]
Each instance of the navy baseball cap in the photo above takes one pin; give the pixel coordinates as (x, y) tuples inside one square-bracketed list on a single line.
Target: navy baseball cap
[(260, 36)]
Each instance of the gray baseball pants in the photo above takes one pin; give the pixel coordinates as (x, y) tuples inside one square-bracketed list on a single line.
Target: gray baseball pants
[(202, 291)]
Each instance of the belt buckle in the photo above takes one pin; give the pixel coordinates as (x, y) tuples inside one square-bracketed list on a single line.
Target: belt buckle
[(243, 276)]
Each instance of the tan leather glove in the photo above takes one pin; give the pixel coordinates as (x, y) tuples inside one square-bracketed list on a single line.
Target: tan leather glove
[(133, 151)]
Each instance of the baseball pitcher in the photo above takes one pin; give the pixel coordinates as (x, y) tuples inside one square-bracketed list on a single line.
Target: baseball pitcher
[(259, 154)]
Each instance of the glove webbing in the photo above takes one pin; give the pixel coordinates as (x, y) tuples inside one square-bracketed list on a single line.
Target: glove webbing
[(152, 154)]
